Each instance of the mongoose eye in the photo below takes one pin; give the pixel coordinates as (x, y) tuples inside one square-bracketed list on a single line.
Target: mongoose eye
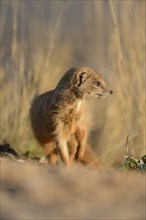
[(98, 83)]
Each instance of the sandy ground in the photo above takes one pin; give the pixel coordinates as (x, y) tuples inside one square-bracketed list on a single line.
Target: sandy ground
[(31, 191)]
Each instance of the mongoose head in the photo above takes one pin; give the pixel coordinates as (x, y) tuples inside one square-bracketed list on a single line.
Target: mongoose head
[(87, 83)]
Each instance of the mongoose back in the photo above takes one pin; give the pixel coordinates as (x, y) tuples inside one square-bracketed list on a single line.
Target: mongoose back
[(59, 117)]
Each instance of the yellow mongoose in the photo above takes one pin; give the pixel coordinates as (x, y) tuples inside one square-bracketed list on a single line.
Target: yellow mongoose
[(59, 117)]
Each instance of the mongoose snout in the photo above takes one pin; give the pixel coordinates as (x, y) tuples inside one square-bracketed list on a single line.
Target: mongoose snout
[(60, 117)]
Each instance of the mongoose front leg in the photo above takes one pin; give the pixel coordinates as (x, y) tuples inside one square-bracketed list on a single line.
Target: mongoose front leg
[(61, 137), (81, 137), (63, 151), (72, 146)]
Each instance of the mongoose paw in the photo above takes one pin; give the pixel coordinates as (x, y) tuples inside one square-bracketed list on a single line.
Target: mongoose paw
[(43, 160)]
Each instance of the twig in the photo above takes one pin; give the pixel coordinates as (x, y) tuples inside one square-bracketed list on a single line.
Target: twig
[(127, 145)]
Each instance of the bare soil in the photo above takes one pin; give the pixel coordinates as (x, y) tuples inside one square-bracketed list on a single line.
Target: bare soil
[(33, 191)]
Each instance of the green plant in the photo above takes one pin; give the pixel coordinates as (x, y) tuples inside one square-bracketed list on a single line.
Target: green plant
[(132, 163)]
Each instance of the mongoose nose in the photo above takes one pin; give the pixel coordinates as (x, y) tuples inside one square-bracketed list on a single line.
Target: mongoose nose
[(111, 92)]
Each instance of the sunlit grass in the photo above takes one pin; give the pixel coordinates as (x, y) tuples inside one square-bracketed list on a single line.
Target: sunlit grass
[(35, 53)]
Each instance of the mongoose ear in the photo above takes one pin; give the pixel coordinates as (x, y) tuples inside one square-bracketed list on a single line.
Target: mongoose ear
[(80, 78)]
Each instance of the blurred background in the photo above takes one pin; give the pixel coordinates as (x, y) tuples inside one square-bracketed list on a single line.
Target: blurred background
[(41, 40)]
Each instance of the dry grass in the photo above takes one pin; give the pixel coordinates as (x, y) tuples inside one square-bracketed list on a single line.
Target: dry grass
[(40, 41)]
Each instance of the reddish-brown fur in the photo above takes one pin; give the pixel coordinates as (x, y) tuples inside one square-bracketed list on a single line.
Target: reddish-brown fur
[(60, 119)]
